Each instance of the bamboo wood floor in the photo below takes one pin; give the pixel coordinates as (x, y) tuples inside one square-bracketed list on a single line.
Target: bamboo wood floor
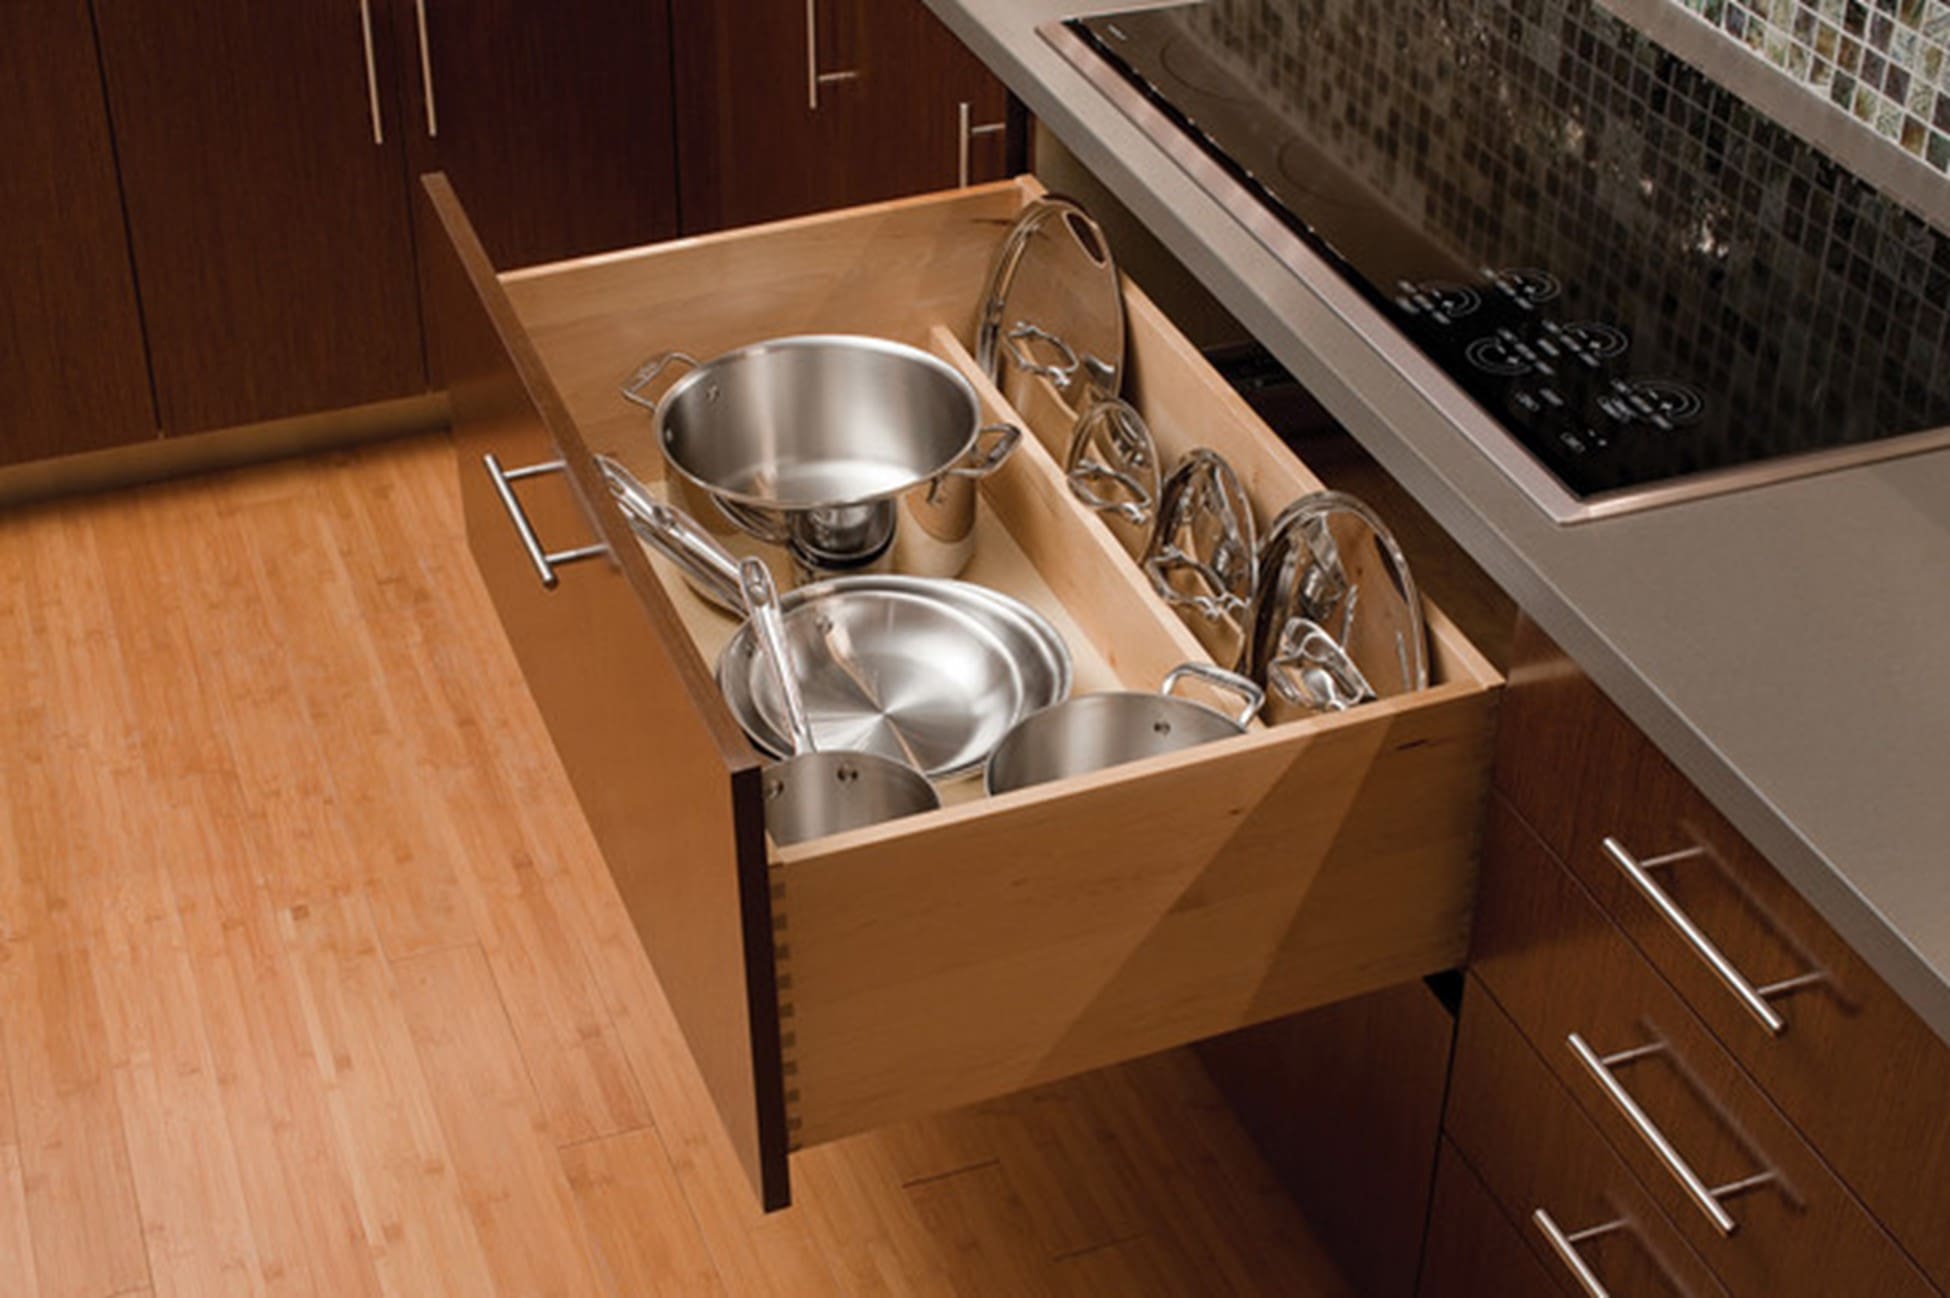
[(312, 982)]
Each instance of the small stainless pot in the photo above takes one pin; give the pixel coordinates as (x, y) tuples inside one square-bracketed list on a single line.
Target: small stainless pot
[(809, 793), (853, 453), (1093, 731)]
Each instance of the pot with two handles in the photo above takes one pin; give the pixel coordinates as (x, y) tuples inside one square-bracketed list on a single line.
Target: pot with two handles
[(854, 454)]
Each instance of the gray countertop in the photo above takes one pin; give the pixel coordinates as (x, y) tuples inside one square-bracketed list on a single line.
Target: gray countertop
[(1781, 645)]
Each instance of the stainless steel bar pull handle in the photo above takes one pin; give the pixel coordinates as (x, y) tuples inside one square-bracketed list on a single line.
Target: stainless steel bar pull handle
[(1565, 1245), (1752, 999), (814, 77), (969, 130), (426, 69), (372, 72), (1706, 1198), (545, 561)]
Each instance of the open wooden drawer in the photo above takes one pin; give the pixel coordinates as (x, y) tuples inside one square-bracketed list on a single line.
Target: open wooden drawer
[(997, 943)]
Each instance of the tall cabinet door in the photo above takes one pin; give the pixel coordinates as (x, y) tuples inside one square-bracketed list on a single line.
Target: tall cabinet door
[(552, 121), (266, 194), (815, 104), (931, 115), (761, 89), (72, 372)]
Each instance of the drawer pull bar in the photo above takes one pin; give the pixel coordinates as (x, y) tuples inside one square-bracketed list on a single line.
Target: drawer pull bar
[(1706, 1199), (968, 131), (372, 71), (544, 561), (1753, 999), (1566, 1247), (426, 69), (814, 77)]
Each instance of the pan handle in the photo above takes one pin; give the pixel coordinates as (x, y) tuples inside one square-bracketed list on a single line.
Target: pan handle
[(768, 624), (986, 461), (1251, 697), (677, 535), (647, 373)]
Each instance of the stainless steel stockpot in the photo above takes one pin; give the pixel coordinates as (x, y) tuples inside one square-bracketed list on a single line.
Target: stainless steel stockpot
[(1093, 731), (854, 453)]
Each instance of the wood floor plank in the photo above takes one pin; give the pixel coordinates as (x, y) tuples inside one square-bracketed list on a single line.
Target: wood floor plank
[(410, 1201), (985, 1234), (873, 1236), (74, 1161), (222, 820), (566, 1037), (16, 1243), (336, 671), (1067, 1164), (195, 1224), (524, 1211), (637, 1220)]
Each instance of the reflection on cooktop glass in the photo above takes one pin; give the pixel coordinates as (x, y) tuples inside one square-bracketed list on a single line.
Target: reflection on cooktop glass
[(1637, 274)]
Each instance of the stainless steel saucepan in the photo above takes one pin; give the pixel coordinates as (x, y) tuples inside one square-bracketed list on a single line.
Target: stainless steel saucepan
[(1093, 731), (855, 454), (810, 794), (927, 671)]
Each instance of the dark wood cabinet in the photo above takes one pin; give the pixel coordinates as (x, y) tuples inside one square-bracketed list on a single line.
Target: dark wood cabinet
[(1566, 976), (554, 123), (832, 103), (72, 372), (1537, 1153), (1345, 1103), (264, 181), (1473, 1249)]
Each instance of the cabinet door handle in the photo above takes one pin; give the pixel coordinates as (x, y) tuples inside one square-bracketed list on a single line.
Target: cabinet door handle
[(544, 561), (426, 69), (1566, 1247), (1752, 999), (969, 130), (372, 72), (814, 77), (1706, 1199)]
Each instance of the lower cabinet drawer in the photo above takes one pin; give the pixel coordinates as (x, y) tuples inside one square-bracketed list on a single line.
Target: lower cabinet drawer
[(1742, 1186), (856, 980), (1472, 1250), (1884, 1127), (1587, 1219)]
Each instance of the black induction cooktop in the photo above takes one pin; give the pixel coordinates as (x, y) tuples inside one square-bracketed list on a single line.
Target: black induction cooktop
[(1646, 283)]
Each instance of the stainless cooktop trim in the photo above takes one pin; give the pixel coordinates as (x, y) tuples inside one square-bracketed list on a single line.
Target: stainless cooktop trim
[(1435, 386)]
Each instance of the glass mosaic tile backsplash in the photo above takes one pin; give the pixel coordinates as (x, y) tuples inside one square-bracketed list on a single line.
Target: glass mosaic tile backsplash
[(1885, 61)]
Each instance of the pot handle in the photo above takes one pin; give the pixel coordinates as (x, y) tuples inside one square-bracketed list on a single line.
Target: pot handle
[(1310, 669), (1251, 697), (1060, 374), (1135, 511), (647, 373), (985, 462), (676, 535), (761, 597)]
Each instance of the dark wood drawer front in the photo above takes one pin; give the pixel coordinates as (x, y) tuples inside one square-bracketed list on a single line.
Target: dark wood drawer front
[(1535, 1150), (1646, 1070), (1473, 1251), (1862, 1077)]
